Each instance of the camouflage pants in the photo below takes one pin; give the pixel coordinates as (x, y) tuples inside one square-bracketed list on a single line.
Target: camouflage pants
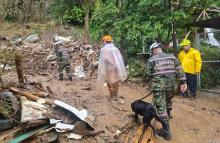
[(68, 71), (113, 89), (163, 102)]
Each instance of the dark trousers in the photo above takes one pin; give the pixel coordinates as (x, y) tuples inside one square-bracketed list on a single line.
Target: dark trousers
[(68, 71), (191, 83)]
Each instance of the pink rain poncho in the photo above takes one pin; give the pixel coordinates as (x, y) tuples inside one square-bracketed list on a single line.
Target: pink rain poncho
[(111, 65)]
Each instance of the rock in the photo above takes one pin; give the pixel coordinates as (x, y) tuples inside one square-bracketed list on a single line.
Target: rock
[(33, 38), (117, 133), (37, 49)]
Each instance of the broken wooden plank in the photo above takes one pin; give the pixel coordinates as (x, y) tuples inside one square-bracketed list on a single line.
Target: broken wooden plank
[(144, 135), (147, 136), (39, 93), (128, 136), (31, 96), (138, 133)]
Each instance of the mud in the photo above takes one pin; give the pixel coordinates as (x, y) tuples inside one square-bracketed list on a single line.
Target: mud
[(193, 121)]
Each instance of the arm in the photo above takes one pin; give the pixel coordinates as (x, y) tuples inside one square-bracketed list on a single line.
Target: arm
[(198, 61), (148, 72), (59, 56), (181, 76)]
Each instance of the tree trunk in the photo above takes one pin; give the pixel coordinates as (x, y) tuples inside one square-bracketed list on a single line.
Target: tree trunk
[(174, 38), (19, 68), (27, 11), (86, 26)]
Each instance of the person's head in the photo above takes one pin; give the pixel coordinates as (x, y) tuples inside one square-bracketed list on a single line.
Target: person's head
[(107, 39), (156, 48), (186, 44)]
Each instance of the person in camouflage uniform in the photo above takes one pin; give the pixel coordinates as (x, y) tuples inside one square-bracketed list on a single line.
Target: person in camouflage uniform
[(164, 73), (63, 60)]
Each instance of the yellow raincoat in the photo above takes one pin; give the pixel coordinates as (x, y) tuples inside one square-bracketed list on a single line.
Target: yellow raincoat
[(190, 61)]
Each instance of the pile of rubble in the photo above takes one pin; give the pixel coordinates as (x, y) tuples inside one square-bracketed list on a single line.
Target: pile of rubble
[(39, 58), (34, 115)]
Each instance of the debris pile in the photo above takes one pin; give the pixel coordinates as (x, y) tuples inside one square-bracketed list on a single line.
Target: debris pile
[(40, 58), (33, 113)]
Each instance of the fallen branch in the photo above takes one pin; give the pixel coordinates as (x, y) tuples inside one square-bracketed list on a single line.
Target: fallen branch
[(30, 96)]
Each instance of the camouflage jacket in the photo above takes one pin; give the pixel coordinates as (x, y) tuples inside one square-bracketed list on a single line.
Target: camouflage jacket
[(63, 56), (164, 72)]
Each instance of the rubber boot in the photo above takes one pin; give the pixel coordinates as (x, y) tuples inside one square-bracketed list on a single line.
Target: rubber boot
[(165, 132), (169, 113), (70, 78), (61, 76)]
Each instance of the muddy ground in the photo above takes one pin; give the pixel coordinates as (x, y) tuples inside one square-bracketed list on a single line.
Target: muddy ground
[(193, 121)]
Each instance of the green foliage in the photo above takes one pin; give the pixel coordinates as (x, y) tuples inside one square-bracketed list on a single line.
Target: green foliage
[(136, 68), (103, 20), (140, 22), (74, 15), (10, 18), (67, 11)]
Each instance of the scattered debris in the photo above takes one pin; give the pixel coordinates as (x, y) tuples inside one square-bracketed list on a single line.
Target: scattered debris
[(35, 115), (32, 39), (79, 72), (117, 133), (74, 136)]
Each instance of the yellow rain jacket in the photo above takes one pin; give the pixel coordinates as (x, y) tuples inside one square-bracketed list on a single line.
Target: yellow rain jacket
[(190, 61)]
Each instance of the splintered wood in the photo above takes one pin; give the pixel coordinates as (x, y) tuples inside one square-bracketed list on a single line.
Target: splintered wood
[(144, 135)]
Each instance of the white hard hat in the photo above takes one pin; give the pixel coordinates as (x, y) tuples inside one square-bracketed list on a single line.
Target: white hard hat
[(155, 45)]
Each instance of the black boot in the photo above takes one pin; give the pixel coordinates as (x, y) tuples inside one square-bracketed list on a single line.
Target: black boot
[(61, 76), (165, 132), (169, 113), (70, 78)]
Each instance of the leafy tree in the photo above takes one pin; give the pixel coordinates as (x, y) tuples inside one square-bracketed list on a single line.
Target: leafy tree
[(139, 22), (67, 11)]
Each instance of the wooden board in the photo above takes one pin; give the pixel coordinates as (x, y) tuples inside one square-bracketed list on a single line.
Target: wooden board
[(144, 135)]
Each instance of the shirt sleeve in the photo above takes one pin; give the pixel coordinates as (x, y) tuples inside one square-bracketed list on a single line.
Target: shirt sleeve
[(198, 61), (179, 72), (148, 71)]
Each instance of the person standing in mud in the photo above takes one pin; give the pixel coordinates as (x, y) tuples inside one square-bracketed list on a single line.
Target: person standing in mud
[(191, 62), (63, 60), (162, 72), (111, 68)]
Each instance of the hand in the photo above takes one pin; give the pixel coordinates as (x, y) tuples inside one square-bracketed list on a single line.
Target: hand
[(105, 85), (183, 87)]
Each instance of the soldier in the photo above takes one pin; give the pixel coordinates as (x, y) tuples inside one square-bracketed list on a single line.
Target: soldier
[(63, 60), (163, 71)]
